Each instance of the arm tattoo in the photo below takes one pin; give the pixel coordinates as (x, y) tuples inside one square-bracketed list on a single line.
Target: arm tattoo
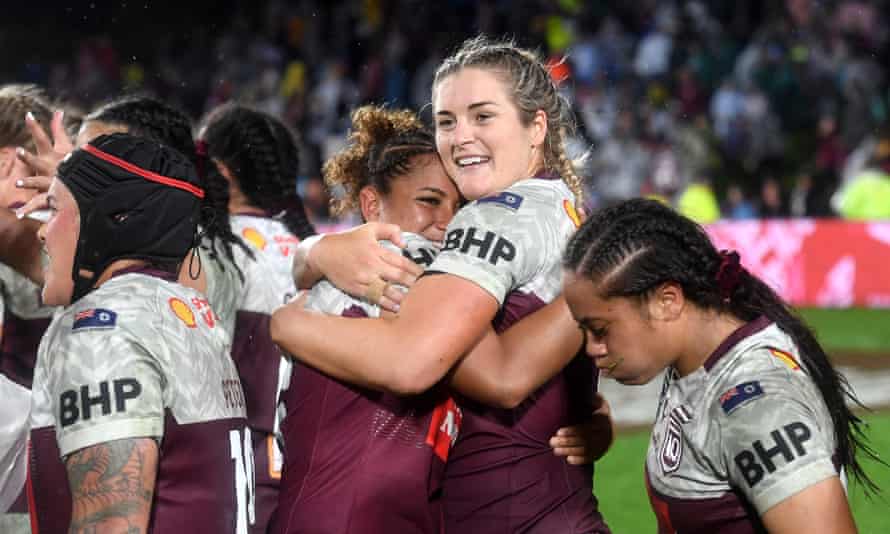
[(112, 485)]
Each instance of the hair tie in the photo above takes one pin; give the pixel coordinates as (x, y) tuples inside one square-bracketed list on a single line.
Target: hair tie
[(729, 273), (200, 160)]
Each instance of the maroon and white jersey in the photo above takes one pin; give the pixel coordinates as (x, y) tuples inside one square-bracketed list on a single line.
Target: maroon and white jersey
[(137, 358), (264, 372), (362, 461), (738, 436), (502, 475), (271, 240), (14, 412), (23, 320)]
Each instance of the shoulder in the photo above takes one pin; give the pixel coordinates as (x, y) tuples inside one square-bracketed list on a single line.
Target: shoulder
[(761, 382)]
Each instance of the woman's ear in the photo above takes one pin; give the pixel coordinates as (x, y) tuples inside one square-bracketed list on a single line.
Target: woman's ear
[(667, 302), (370, 203), (539, 128)]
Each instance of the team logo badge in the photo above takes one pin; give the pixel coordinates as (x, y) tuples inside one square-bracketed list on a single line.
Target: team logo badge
[(786, 358), (183, 311), (671, 452), (94, 319), (572, 213), (739, 395), (509, 200), (254, 238)]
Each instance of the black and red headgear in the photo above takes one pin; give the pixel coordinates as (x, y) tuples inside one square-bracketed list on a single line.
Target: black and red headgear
[(138, 199)]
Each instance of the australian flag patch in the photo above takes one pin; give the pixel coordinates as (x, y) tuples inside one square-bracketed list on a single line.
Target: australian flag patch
[(740, 394), (94, 319), (509, 200)]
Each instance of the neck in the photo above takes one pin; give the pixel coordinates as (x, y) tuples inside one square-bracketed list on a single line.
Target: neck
[(238, 203), (116, 266), (705, 331)]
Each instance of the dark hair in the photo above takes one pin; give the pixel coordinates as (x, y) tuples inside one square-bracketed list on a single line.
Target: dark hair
[(631, 248), (261, 152), (155, 120), (382, 144)]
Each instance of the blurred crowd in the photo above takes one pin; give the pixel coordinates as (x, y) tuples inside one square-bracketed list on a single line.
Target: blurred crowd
[(762, 108)]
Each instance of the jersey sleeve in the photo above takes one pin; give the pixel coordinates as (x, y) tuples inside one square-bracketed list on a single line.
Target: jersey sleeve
[(772, 441), (494, 244), (108, 386)]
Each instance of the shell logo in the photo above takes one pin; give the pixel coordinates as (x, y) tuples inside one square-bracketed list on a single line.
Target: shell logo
[(183, 311), (254, 238), (570, 211)]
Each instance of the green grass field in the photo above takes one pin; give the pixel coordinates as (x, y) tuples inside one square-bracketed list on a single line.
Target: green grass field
[(622, 492), (854, 329)]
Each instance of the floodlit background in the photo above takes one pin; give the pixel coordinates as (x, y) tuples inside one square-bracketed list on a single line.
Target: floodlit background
[(769, 116)]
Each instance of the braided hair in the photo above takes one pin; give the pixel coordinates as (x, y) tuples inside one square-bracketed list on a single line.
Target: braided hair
[(382, 145), (532, 89), (149, 118), (261, 152), (630, 249)]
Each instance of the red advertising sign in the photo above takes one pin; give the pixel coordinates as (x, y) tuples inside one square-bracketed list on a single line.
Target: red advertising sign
[(814, 263)]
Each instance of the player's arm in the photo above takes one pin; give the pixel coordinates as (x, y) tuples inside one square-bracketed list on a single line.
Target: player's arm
[(353, 260), (776, 451), (19, 246), (112, 484), (822, 507), (441, 318), (503, 370)]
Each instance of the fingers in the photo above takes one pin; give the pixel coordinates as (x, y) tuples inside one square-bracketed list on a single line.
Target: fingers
[(397, 269), (38, 202), (40, 183), (61, 142), (389, 232), (375, 290), (34, 162), (41, 140), (389, 305)]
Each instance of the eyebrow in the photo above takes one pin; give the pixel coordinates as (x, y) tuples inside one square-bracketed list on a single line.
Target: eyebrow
[(433, 190), (474, 105)]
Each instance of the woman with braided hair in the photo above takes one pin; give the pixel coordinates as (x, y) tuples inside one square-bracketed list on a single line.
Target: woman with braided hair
[(255, 155), (752, 431), (500, 125)]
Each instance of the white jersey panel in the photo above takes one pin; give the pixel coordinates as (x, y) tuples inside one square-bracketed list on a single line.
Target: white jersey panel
[(326, 298), (274, 247), (14, 412), (512, 240), (225, 288), (112, 364), (21, 296), (754, 422)]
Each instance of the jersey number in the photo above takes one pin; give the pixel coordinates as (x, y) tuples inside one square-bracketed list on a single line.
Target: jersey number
[(242, 455)]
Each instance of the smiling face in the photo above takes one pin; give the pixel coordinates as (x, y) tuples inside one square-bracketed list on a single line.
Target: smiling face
[(623, 335), (59, 236), (483, 144), (422, 201)]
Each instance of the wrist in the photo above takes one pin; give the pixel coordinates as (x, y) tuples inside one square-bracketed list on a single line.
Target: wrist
[(303, 257)]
